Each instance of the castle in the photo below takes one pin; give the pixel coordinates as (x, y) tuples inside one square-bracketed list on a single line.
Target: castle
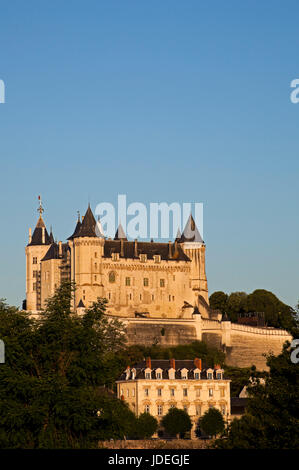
[(158, 290), (137, 278)]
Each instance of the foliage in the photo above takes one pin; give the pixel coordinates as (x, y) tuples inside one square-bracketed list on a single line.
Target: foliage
[(271, 420), (211, 423), (240, 377), (277, 314), (53, 385), (146, 425), (176, 421)]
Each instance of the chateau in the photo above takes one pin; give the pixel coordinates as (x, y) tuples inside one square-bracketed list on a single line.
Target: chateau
[(158, 290), (145, 279), (156, 385)]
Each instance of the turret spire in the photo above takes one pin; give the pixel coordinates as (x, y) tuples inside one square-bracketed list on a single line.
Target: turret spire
[(40, 207)]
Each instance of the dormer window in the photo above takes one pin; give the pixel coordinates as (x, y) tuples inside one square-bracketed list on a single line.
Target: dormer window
[(148, 374), (143, 258), (196, 374), (157, 258), (210, 374), (219, 374), (133, 372), (159, 374), (184, 374), (171, 374), (115, 256)]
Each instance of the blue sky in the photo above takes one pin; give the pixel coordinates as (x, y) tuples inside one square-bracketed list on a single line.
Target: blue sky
[(162, 101)]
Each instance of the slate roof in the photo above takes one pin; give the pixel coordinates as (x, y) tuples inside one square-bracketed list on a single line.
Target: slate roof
[(120, 233), (148, 248), (164, 364), (37, 236), (238, 405), (76, 231), (190, 232), (53, 251), (88, 225)]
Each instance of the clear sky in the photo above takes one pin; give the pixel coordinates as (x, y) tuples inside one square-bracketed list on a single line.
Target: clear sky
[(162, 101)]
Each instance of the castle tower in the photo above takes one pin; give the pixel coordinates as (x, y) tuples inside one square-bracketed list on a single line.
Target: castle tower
[(194, 247), (87, 251), (38, 245)]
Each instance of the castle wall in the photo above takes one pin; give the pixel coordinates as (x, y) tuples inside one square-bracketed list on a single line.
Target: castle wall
[(244, 346)]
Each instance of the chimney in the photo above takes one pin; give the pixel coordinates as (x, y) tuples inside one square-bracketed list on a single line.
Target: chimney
[(122, 247), (30, 235), (172, 363), (169, 250), (135, 249), (148, 363), (60, 249), (217, 366), (197, 363), (43, 236)]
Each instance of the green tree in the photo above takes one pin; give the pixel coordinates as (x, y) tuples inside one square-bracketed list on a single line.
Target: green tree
[(218, 301), (271, 420), (236, 303), (211, 423), (54, 385), (176, 422), (146, 426)]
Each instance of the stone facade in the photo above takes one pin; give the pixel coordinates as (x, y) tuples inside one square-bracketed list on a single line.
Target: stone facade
[(154, 386), (158, 280)]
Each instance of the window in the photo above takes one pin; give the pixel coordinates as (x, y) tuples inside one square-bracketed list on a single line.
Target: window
[(169, 298), (159, 391), (210, 392), (109, 295), (128, 392), (162, 282), (219, 375), (223, 409), (128, 281), (115, 256), (172, 392), (95, 278), (153, 297), (146, 392), (198, 392), (184, 374), (160, 410), (222, 392), (95, 266), (210, 375), (34, 261), (158, 375), (35, 274), (140, 296), (34, 286), (95, 255), (171, 374), (143, 258), (133, 392), (147, 409), (145, 282), (198, 410), (147, 375), (111, 277), (185, 392), (121, 392), (157, 258), (197, 376)]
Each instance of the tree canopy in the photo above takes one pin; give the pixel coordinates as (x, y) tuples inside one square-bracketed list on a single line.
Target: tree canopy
[(54, 385), (277, 314), (176, 421), (211, 423), (271, 420)]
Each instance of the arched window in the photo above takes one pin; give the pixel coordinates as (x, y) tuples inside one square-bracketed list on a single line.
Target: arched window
[(112, 276)]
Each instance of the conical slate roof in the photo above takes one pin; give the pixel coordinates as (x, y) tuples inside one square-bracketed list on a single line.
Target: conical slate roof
[(190, 232), (120, 233), (37, 236), (88, 225), (76, 231)]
